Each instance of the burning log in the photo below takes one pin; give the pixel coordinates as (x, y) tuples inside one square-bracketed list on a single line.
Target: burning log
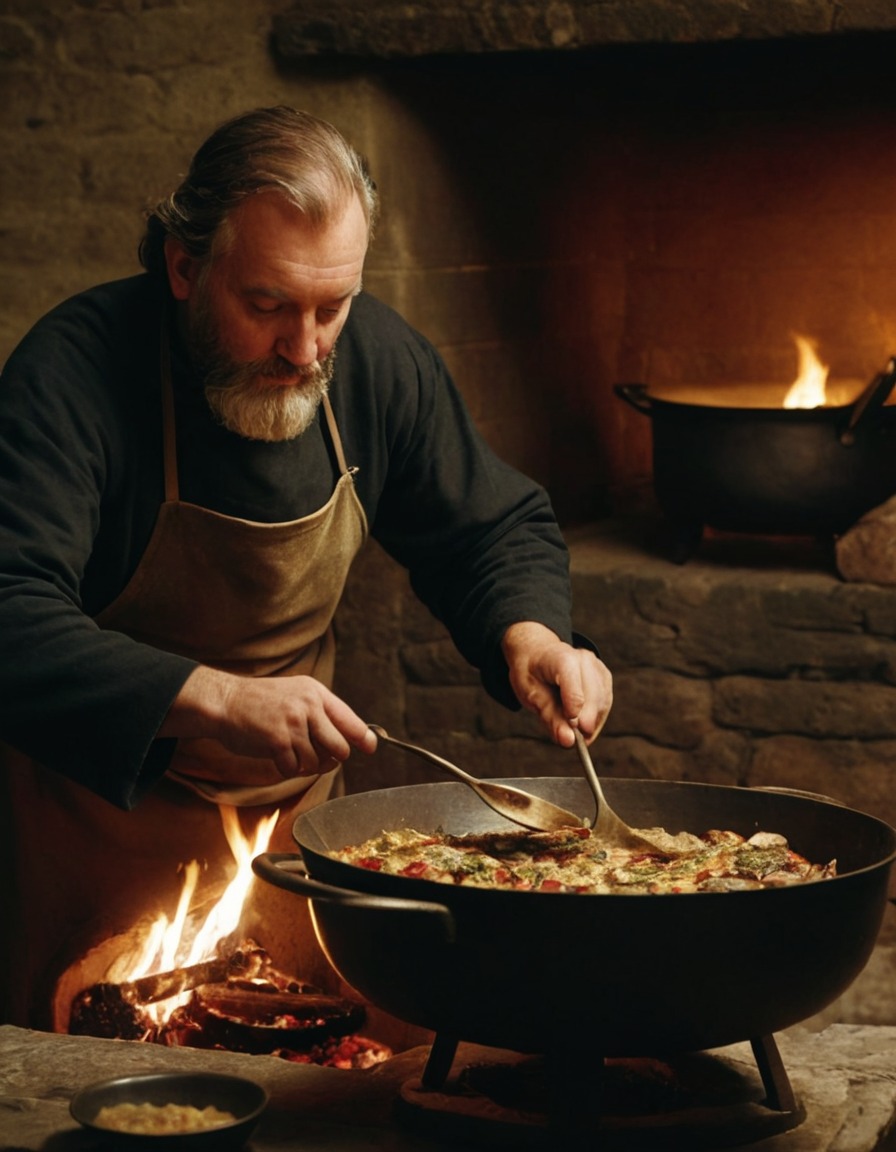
[(116, 1010), (104, 1011), (238, 1002), (261, 1019)]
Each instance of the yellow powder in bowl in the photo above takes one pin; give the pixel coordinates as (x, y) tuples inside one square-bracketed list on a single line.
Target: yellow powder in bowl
[(158, 1119)]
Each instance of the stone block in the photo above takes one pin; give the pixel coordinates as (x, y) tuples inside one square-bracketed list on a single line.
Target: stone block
[(436, 663), (671, 710), (442, 709), (472, 26), (634, 758), (858, 773), (823, 709), (867, 551), (720, 758)]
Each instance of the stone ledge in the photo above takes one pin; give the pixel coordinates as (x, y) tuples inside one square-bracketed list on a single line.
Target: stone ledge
[(385, 29), (844, 1076)]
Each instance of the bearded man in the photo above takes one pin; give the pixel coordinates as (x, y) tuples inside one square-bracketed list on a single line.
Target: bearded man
[(192, 458)]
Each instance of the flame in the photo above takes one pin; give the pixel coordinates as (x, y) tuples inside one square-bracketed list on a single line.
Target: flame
[(225, 916), (175, 943), (808, 390)]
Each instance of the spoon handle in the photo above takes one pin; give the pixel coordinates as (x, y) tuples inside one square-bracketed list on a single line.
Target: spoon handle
[(425, 754), (588, 767)]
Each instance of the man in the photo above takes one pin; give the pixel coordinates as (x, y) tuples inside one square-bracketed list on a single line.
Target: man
[(191, 459)]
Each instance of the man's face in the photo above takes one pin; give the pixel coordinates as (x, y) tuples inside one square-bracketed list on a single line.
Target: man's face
[(263, 316)]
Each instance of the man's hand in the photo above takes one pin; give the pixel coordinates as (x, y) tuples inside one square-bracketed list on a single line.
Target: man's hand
[(293, 721), (566, 687)]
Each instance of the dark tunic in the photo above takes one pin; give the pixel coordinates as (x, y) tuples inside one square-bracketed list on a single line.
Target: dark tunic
[(81, 484)]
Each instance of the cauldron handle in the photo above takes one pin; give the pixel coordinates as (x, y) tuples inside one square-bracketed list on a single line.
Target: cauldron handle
[(634, 394), (871, 399), (287, 870)]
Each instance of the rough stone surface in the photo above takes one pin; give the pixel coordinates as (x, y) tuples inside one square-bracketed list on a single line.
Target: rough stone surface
[(844, 1077), (867, 551), (429, 27), (784, 654)]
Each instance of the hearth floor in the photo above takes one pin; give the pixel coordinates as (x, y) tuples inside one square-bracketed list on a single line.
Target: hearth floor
[(844, 1076)]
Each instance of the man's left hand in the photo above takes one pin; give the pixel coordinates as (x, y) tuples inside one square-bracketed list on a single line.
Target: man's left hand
[(565, 687)]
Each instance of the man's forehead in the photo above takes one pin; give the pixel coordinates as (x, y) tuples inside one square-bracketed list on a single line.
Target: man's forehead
[(268, 230)]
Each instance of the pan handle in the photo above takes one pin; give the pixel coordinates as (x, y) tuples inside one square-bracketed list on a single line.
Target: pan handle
[(287, 870), (634, 394)]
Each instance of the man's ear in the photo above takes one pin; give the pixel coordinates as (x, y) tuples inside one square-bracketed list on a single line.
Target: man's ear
[(182, 269)]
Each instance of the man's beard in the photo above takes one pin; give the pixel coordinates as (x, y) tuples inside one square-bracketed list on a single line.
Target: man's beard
[(251, 398)]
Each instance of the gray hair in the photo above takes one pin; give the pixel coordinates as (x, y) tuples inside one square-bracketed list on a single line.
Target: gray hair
[(270, 149)]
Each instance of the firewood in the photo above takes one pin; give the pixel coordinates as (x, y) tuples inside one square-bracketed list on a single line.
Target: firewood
[(107, 1001), (262, 1005)]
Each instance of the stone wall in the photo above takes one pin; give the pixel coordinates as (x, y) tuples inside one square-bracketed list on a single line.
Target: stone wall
[(753, 663)]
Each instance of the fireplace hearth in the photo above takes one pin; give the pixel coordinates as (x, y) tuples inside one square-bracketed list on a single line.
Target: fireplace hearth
[(238, 1002)]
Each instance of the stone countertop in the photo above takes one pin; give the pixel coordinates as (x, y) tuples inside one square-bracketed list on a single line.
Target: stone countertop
[(845, 1076)]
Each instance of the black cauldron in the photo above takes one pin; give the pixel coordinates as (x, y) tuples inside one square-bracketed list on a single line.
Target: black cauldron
[(767, 470)]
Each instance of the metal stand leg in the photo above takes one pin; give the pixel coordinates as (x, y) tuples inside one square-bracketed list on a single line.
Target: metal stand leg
[(438, 1064), (779, 1093)]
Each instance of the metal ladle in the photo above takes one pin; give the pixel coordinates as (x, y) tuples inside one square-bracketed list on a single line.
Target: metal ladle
[(521, 807), (607, 826)]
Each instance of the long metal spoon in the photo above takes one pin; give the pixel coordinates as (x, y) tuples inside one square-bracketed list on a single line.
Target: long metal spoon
[(607, 826), (521, 807)]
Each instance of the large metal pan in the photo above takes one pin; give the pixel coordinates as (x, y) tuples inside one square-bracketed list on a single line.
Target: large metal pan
[(619, 975)]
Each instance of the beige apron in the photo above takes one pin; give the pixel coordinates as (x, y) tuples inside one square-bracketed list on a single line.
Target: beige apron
[(251, 598)]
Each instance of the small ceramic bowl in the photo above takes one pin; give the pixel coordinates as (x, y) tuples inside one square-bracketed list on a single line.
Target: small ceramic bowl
[(244, 1099)]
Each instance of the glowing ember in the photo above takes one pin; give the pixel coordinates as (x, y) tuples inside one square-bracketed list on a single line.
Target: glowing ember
[(808, 390), (177, 943)]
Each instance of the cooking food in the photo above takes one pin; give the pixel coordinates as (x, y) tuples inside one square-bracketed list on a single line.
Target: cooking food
[(573, 860), (161, 1119)]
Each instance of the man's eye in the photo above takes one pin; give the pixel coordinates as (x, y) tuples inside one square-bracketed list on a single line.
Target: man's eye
[(265, 308)]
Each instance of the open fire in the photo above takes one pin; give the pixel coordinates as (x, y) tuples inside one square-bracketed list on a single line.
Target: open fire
[(186, 983), (185, 939)]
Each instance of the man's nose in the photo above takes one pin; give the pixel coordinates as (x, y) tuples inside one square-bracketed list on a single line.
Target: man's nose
[(298, 341)]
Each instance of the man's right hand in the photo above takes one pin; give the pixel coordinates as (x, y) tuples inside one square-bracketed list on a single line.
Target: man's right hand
[(292, 721)]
